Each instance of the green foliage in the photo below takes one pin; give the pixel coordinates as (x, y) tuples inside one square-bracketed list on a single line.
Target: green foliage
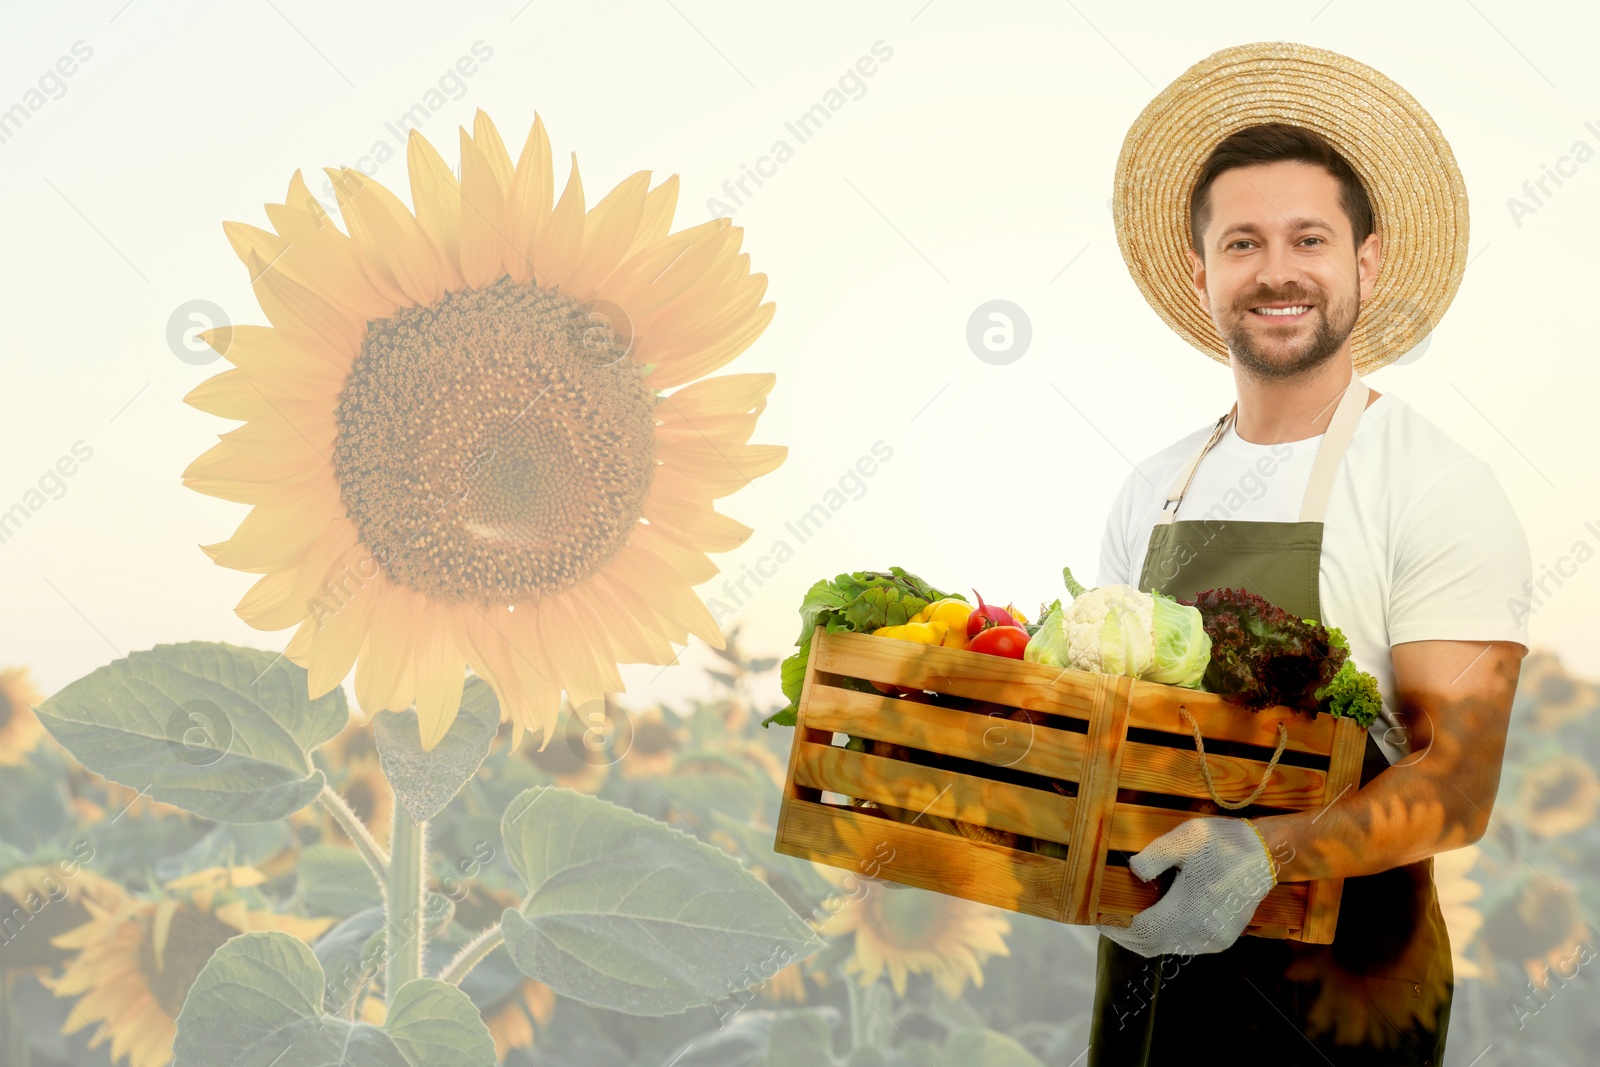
[(222, 731), (860, 602), (625, 913), (258, 1003)]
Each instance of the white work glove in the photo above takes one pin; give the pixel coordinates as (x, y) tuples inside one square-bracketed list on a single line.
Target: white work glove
[(1224, 869)]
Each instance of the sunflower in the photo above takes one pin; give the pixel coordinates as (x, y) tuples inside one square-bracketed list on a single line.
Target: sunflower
[(912, 931), (1541, 927), (20, 729), (455, 442), (135, 961), (1556, 697), (41, 901), (1556, 796), (1456, 892)]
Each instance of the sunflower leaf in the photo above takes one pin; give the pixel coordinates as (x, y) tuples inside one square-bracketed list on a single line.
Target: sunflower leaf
[(629, 914), (433, 1022), (425, 781), (222, 731), (258, 1001), (335, 880)]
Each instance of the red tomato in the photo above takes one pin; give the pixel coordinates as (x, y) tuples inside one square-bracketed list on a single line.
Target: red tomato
[(1000, 641)]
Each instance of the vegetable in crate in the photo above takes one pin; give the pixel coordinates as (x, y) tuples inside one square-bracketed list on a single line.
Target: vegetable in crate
[(1116, 629), (861, 602), (1263, 656), (984, 616), (953, 612)]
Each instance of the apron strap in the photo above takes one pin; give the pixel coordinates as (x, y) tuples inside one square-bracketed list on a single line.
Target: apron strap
[(1330, 453), (1181, 486)]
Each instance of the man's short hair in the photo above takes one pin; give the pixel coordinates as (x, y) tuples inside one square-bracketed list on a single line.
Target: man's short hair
[(1275, 142)]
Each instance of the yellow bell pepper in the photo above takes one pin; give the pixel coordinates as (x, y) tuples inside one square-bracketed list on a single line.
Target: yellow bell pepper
[(927, 633), (953, 613)]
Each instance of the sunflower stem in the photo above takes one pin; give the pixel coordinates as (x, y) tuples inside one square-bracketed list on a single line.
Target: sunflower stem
[(403, 899), (356, 831), (472, 953)]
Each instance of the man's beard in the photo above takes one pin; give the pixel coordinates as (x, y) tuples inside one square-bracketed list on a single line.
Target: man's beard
[(1277, 360)]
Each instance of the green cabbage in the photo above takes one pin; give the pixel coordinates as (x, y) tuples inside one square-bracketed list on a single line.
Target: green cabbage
[(1183, 648)]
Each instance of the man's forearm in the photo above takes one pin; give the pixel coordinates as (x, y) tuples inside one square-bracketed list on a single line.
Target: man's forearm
[(1404, 814)]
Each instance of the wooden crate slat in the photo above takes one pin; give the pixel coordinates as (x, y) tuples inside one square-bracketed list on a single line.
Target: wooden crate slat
[(998, 805), (1176, 771), (1155, 707), (1344, 773), (959, 672), (1123, 895), (1097, 795), (914, 855), (1036, 749), (1136, 825)]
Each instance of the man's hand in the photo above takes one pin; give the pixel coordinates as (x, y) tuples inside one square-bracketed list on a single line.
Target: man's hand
[(1224, 870)]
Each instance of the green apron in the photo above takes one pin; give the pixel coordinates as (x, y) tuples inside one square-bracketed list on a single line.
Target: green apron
[(1381, 992)]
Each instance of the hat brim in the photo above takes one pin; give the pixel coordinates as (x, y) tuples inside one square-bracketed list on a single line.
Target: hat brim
[(1419, 200)]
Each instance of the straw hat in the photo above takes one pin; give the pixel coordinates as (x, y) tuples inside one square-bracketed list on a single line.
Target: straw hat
[(1419, 201)]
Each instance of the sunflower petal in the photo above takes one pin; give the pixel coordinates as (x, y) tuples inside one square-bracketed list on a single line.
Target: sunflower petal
[(287, 362), (528, 203), (695, 523), (440, 671), (327, 261), (341, 627), (386, 655), (436, 194), (292, 306), (561, 240), (679, 368), (488, 141), (659, 207), (393, 245), (608, 233), (485, 248)]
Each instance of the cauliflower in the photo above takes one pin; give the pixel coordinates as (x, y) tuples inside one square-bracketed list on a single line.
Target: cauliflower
[(1116, 629), (1109, 629)]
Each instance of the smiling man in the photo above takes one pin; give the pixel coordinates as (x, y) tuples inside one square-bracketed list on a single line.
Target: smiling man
[(1336, 503)]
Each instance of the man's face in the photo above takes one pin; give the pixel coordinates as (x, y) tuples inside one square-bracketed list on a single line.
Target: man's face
[(1278, 236)]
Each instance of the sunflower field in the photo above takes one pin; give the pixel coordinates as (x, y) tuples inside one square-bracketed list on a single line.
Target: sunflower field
[(121, 911)]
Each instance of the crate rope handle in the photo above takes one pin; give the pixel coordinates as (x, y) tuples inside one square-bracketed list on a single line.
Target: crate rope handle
[(1205, 771)]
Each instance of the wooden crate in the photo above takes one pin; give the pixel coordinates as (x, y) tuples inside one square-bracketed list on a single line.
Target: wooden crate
[(1108, 766)]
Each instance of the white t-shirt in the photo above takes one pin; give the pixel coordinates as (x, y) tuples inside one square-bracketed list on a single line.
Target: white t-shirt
[(1419, 543)]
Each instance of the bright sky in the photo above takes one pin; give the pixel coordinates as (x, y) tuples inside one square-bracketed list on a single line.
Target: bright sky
[(973, 164)]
